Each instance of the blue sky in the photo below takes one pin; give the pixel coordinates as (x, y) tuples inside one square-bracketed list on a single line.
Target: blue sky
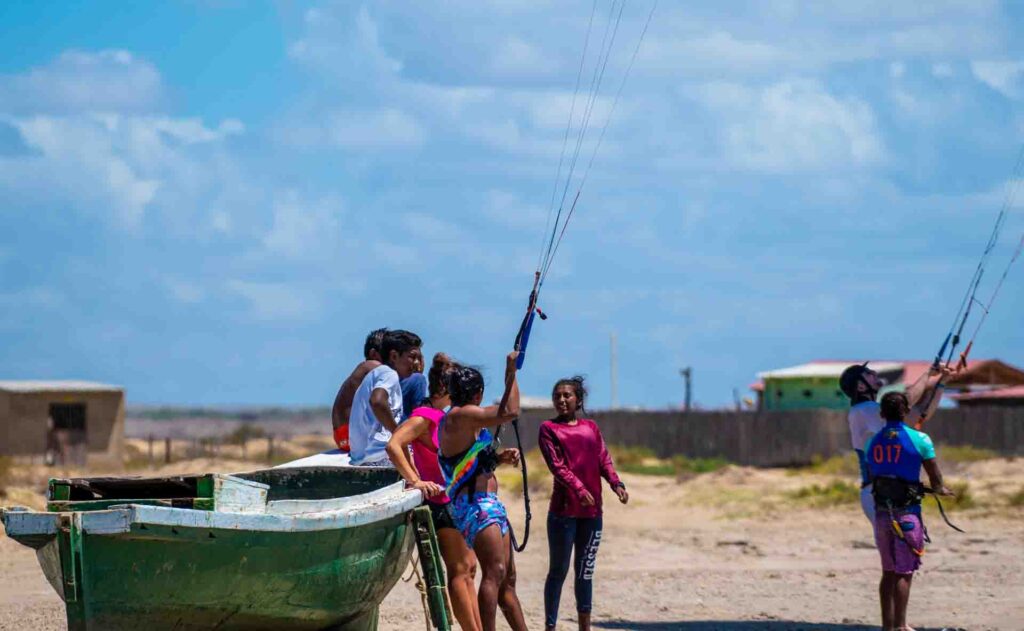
[(212, 202)]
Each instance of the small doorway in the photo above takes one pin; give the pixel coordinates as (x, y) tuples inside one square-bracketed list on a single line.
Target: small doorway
[(66, 442)]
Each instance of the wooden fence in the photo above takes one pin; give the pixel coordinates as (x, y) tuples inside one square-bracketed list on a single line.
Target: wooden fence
[(779, 438)]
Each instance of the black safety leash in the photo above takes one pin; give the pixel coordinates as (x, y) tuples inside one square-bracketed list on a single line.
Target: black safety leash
[(942, 511)]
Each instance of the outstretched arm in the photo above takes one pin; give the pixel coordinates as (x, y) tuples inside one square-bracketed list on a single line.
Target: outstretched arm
[(398, 451)]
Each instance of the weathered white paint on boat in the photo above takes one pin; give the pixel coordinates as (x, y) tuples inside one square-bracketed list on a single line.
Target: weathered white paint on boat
[(362, 509)]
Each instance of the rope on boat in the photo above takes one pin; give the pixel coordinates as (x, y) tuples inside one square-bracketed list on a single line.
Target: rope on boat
[(421, 587)]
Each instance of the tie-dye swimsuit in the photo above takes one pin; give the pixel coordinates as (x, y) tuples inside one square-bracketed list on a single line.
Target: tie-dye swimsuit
[(472, 511)]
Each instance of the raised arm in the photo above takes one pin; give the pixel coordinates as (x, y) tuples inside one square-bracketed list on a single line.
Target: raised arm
[(925, 394), (398, 451), (476, 417)]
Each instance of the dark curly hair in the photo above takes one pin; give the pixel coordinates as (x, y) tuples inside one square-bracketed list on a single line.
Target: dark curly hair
[(374, 342), (576, 383), (399, 341), (435, 376), (463, 383), (894, 406)]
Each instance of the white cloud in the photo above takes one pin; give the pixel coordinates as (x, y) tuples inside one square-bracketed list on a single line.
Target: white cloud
[(109, 80), (897, 69), (942, 70), (277, 301), (302, 229), (1001, 76), (792, 126), (184, 291), (713, 53), (370, 129), (514, 56), (92, 148)]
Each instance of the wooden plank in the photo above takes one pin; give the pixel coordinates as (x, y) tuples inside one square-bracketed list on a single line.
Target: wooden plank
[(97, 505)]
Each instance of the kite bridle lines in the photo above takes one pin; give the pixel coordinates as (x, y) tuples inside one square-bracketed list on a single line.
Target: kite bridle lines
[(953, 338), (554, 231)]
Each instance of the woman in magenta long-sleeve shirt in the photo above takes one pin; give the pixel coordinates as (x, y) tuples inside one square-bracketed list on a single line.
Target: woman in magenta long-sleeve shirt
[(576, 454)]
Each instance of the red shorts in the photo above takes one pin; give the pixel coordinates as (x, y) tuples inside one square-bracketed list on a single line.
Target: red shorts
[(341, 437)]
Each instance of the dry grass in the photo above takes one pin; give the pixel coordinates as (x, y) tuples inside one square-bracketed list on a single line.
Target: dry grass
[(835, 493), (643, 461), (1016, 500)]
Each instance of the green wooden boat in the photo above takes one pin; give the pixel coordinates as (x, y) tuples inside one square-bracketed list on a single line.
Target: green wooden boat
[(292, 548)]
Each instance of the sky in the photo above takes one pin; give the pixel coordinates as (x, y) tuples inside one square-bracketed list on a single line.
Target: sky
[(212, 202)]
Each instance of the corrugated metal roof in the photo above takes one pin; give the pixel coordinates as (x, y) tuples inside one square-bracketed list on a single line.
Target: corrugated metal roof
[(824, 369), (57, 386)]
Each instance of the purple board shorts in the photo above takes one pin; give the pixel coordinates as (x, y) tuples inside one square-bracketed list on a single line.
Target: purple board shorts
[(898, 554)]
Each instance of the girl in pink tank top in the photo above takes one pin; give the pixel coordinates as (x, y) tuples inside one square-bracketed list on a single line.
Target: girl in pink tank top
[(424, 455)]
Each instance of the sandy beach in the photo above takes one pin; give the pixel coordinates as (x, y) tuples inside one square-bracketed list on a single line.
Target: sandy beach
[(734, 549)]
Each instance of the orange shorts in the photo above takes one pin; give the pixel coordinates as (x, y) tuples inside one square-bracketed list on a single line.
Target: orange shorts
[(341, 437)]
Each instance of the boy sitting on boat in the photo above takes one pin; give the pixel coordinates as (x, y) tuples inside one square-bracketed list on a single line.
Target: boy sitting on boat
[(343, 400), (377, 405)]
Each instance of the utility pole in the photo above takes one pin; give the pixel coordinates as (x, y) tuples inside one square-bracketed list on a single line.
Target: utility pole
[(687, 374), (614, 371)]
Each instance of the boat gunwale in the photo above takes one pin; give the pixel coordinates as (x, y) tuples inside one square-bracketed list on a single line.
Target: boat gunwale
[(120, 519)]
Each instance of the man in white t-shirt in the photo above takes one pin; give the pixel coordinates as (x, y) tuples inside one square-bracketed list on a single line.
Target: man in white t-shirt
[(862, 384), (377, 405)]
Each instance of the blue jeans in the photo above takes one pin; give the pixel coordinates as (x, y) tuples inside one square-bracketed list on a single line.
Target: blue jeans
[(566, 534)]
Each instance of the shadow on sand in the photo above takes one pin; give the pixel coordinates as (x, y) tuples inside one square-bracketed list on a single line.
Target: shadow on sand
[(738, 625)]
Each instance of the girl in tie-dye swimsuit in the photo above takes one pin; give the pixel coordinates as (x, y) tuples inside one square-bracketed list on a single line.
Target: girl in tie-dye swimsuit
[(468, 457)]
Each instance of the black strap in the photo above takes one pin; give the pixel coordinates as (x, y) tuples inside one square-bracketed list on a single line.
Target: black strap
[(942, 511), (519, 547)]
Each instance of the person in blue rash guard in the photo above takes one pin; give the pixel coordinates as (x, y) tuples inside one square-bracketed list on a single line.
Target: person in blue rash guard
[(862, 384), (895, 456)]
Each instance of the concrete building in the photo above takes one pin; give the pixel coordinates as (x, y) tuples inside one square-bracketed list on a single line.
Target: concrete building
[(63, 421), (816, 384)]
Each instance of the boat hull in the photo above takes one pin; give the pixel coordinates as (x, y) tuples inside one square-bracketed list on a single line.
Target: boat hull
[(158, 577)]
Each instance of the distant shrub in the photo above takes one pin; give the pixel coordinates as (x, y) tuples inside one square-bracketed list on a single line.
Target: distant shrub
[(964, 498), (1017, 499), (244, 433), (834, 494), (643, 461), (625, 457), (682, 464), (959, 454), (840, 465)]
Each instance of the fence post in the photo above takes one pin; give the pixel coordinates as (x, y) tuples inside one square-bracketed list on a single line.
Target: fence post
[(151, 450), (167, 450), (270, 448)]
